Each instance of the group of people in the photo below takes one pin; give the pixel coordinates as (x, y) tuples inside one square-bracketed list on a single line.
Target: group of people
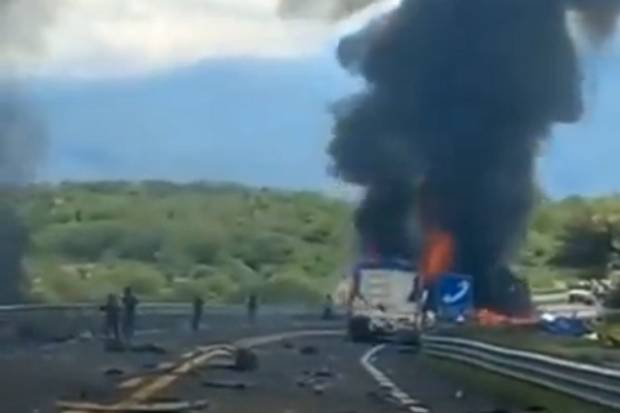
[(120, 323), (120, 315)]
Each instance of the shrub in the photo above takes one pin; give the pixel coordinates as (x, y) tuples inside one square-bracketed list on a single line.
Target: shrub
[(290, 289)]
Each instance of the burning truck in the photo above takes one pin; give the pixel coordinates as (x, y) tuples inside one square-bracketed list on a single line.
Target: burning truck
[(391, 297), (460, 96), (379, 302)]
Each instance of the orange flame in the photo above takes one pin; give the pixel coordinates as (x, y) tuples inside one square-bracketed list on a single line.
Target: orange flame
[(489, 318), (438, 247), (437, 254)]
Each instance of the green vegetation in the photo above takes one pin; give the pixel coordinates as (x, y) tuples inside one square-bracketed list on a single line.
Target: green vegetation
[(572, 239), (172, 241)]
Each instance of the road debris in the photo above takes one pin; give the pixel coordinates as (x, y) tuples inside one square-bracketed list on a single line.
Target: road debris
[(323, 372), (114, 346), (164, 407), (309, 350), (86, 336), (131, 383), (245, 360), (148, 348), (318, 389), (225, 384), (113, 371)]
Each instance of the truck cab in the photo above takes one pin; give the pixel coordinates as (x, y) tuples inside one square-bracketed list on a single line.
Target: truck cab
[(380, 304)]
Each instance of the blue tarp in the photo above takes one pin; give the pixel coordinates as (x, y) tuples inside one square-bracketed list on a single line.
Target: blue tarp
[(564, 326)]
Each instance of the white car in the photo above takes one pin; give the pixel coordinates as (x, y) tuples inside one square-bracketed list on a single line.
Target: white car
[(579, 296)]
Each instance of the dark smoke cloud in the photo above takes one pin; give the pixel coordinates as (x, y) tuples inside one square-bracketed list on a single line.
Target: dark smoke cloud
[(22, 134), (460, 94)]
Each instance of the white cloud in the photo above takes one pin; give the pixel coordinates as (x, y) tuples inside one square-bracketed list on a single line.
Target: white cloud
[(120, 37), (87, 37)]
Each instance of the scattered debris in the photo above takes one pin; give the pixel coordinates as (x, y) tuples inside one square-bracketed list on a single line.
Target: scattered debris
[(223, 384), (318, 389), (150, 365), (165, 407), (148, 348), (323, 372), (86, 336), (165, 366), (113, 371), (308, 350), (114, 346), (131, 383), (245, 360)]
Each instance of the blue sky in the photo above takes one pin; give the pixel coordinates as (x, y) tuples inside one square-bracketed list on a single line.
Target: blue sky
[(252, 114)]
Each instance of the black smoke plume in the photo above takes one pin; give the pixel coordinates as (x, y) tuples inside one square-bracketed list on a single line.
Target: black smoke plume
[(460, 93), (22, 135)]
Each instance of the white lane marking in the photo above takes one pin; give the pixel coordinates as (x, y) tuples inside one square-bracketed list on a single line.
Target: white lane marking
[(386, 383)]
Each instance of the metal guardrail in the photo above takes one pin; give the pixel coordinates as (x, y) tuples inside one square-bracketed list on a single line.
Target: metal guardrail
[(594, 384), (551, 298), (148, 308), (88, 307)]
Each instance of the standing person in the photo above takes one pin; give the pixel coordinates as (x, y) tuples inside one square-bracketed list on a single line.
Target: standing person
[(111, 311), (328, 307), (252, 307), (130, 303), (198, 307)]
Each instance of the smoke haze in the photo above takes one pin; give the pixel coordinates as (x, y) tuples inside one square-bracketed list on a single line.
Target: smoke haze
[(22, 134), (460, 94)]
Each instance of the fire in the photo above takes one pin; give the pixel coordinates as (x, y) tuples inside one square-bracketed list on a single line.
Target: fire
[(489, 318), (437, 254), (438, 247)]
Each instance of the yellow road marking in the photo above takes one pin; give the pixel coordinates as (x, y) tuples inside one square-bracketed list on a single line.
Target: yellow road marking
[(199, 358), (130, 383), (143, 393)]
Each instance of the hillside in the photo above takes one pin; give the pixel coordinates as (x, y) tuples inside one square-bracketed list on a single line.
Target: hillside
[(172, 241)]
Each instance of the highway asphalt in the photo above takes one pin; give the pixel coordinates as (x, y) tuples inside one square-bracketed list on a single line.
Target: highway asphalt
[(295, 374)]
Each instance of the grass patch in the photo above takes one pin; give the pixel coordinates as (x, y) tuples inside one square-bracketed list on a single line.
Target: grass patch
[(513, 392)]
